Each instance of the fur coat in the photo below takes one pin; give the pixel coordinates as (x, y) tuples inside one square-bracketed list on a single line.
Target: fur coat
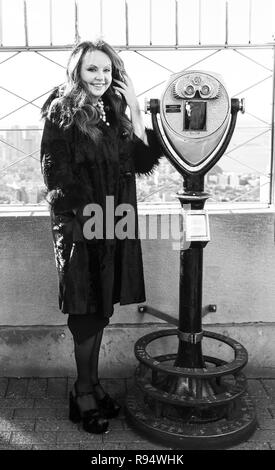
[(78, 172)]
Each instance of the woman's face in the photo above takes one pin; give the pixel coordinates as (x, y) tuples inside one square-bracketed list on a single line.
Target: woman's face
[(96, 72)]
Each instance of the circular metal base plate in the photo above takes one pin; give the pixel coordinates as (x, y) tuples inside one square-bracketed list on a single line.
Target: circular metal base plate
[(183, 435)]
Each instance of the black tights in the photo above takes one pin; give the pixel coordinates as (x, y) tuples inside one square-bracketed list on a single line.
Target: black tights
[(86, 357)]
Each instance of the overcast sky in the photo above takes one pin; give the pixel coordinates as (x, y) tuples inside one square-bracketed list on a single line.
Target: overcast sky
[(163, 21)]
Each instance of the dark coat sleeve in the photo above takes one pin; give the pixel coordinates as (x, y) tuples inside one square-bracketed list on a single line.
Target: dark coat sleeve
[(63, 190), (146, 157)]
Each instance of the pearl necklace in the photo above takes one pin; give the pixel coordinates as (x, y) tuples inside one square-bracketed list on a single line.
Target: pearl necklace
[(100, 107)]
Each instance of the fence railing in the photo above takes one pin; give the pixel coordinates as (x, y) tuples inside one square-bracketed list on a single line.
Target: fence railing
[(140, 23)]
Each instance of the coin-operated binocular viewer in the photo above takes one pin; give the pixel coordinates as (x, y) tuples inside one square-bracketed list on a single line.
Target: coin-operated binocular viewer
[(189, 399)]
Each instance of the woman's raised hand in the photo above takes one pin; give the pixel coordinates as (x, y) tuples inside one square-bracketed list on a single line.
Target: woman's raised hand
[(127, 90)]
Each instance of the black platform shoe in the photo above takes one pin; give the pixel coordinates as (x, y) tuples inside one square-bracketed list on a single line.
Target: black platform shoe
[(92, 420), (108, 407)]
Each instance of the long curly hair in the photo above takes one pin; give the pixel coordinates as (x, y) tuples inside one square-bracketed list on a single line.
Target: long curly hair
[(71, 103)]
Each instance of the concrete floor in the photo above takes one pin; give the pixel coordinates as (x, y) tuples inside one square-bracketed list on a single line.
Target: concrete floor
[(33, 415)]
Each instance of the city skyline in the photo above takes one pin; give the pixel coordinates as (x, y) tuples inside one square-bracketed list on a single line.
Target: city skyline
[(23, 182)]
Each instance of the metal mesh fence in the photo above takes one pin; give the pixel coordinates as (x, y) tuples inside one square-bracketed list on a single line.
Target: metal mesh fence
[(154, 39)]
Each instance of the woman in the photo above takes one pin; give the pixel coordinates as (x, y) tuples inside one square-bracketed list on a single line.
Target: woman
[(90, 152)]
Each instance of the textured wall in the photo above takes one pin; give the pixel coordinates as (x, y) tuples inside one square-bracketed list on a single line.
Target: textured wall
[(48, 351), (239, 273)]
